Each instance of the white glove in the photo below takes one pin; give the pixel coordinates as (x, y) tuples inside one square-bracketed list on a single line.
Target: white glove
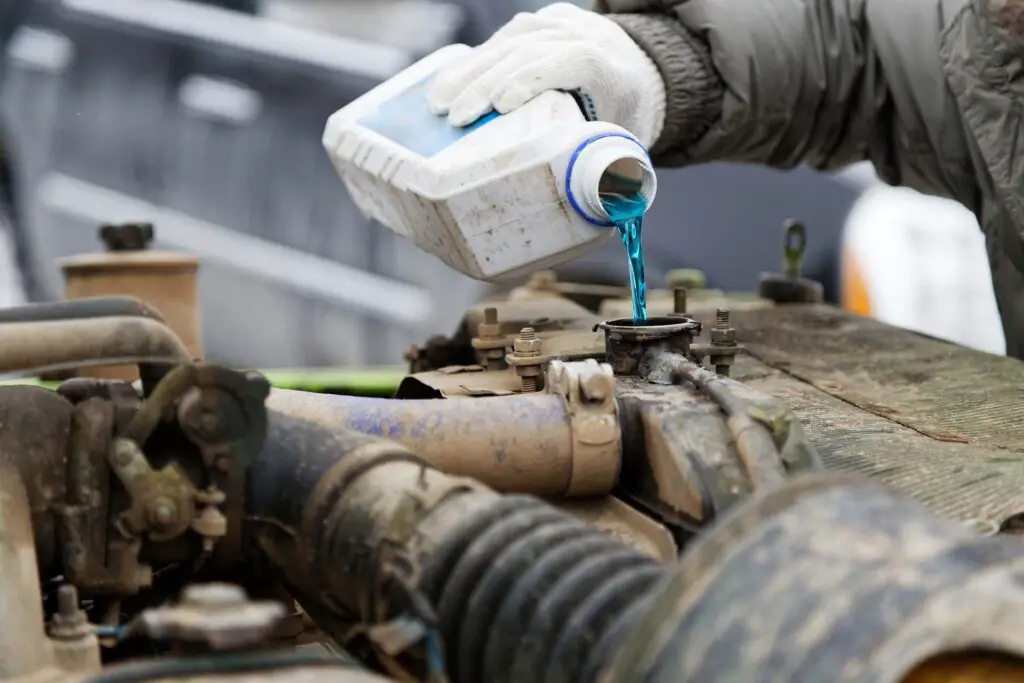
[(560, 47)]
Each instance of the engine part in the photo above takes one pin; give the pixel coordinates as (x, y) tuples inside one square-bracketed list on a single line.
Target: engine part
[(48, 345), (217, 615), (564, 443), (514, 589), (627, 344), (688, 451), (96, 307), (369, 529), (830, 578), (24, 649), (165, 280)]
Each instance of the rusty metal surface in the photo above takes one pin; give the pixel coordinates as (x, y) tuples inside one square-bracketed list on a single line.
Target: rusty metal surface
[(939, 422), (513, 443), (68, 344), (627, 344), (830, 578)]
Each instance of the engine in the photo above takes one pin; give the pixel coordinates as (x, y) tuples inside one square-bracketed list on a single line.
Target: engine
[(757, 488)]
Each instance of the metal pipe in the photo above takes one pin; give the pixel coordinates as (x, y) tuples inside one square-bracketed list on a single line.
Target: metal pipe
[(45, 346), (754, 442), (95, 307), (520, 443), (24, 647)]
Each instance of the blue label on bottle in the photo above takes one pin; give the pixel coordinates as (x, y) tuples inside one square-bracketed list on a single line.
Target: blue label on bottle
[(407, 120)]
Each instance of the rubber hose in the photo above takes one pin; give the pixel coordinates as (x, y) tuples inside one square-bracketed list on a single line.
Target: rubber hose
[(523, 584)]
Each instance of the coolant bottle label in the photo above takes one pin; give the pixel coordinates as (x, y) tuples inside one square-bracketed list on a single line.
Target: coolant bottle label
[(407, 121)]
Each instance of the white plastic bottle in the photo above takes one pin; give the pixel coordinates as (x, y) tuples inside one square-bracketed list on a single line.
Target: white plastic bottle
[(505, 196)]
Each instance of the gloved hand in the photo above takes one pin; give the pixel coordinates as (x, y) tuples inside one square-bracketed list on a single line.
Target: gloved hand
[(560, 47)]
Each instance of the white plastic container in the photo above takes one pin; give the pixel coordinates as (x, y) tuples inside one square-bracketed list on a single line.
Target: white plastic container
[(505, 196)]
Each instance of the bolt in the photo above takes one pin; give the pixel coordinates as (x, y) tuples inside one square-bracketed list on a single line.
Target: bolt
[(679, 300), (209, 421), (526, 344), (722, 319), (161, 512), (67, 601), (491, 316), (70, 623)]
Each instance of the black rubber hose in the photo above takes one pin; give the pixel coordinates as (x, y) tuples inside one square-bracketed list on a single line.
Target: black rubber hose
[(512, 580)]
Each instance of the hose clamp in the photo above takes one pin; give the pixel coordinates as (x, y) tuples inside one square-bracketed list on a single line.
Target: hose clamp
[(588, 388)]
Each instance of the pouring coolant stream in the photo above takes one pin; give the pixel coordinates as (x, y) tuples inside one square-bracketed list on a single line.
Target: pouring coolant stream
[(503, 197), (627, 213)]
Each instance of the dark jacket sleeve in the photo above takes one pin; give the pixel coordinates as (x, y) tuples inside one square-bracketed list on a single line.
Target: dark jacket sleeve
[(821, 82)]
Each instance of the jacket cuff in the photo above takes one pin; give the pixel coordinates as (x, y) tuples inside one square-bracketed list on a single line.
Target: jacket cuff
[(694, 91)]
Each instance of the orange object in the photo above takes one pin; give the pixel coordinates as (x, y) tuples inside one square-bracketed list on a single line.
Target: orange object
[(855, 296), (969, 668)]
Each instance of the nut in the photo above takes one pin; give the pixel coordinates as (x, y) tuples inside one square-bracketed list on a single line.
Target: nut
[(490, 328), (527, 344), (527, 347), (723, 337)]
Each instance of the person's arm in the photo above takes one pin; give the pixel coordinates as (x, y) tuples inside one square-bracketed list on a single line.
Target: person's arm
[(784, 82)]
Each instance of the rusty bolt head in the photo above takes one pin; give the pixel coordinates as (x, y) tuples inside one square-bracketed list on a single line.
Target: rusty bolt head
[(161, 512)]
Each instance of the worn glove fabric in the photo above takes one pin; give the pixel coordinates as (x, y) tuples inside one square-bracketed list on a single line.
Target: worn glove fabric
[(560, 47)]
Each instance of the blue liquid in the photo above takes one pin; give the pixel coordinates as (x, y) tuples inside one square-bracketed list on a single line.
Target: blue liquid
[(627, 213)]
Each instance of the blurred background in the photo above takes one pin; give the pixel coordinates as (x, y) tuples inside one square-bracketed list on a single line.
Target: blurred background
[(205, 117)]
